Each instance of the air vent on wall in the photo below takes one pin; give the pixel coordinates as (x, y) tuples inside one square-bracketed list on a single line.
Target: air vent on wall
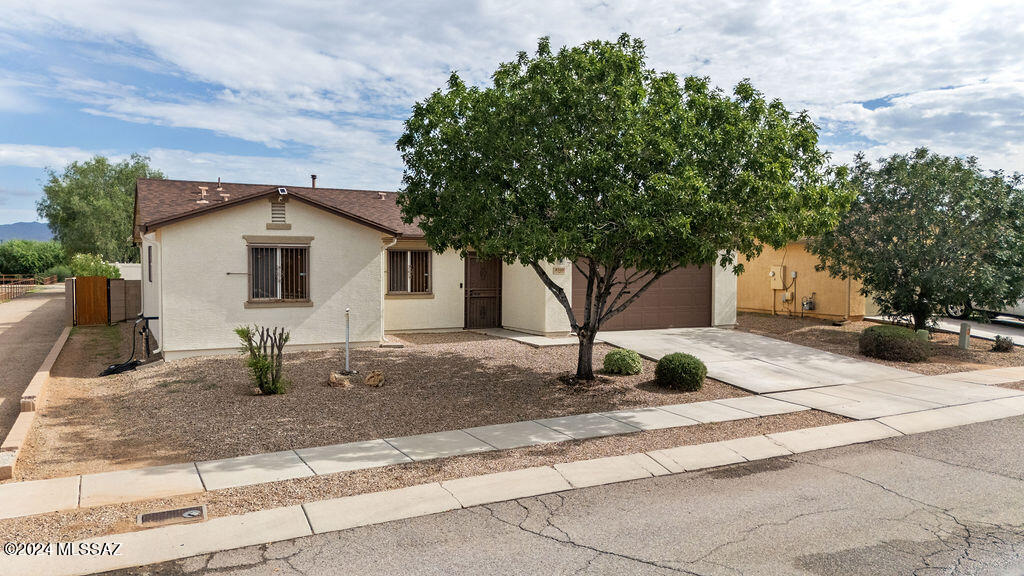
[(277, 213)]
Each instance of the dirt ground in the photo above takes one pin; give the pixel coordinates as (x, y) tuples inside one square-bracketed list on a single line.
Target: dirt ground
[(946, 357), (90, 522), (203, 408)]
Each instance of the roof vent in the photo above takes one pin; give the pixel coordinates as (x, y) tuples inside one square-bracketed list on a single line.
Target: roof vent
[(313, 178), (219, 187), (202, 195), (382, 195), (282, 191)]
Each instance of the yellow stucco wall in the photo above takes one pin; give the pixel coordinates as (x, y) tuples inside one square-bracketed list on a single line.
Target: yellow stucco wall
[(834, 298)]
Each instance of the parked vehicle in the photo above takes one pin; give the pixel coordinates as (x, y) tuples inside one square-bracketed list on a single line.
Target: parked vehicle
[(964, 310)]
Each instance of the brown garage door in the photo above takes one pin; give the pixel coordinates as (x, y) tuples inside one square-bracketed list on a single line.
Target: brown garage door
[(680, 299)]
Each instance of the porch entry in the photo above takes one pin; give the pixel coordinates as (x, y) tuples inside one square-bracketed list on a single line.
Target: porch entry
[(483, 293)]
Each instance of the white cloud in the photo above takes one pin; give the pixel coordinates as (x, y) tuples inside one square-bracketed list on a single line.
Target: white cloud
[(36, 156), (340, 77)]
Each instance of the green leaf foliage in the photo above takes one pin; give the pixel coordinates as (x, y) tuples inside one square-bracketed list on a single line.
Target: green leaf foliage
[(29, 256), (93, 265), (621, 361), (895, 343), (927, 231), (586, 155), (680, 371), (91, 204)]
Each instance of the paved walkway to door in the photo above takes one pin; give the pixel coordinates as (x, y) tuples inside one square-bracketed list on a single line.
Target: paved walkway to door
[(28, 327)]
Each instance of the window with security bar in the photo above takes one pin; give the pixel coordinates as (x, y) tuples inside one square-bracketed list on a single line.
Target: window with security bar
[(279, 273), (409, 272)]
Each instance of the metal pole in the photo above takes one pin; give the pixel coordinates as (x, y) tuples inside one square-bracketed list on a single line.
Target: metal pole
[(346, 338)]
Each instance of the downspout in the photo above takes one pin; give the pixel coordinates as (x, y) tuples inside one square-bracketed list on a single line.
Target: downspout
[(383, 280)]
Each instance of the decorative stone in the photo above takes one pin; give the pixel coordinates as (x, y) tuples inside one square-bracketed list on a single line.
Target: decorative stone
[(339, 380), (374, 379)]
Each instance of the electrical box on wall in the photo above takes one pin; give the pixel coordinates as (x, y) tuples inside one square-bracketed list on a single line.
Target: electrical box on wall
[(777, 274)]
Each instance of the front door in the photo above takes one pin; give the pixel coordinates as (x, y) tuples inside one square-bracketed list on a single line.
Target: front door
[(483, 293)]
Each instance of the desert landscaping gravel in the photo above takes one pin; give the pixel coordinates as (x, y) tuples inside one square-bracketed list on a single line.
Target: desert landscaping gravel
[(204, 409), (90, 522), (946, 357)]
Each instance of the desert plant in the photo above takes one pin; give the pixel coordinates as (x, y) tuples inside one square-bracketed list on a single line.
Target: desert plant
[(622, 362), (93, 265), (265, 347), (681, 372), (1003, 344), (894, 343)]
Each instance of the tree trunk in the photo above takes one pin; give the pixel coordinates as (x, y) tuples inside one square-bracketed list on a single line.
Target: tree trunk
[(585, 361)]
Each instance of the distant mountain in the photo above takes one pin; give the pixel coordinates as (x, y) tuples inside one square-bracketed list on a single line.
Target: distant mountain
[(25, 231)]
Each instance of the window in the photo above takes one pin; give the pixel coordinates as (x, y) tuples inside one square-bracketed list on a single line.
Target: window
[(409, 271), (278, 273), (149, 261)]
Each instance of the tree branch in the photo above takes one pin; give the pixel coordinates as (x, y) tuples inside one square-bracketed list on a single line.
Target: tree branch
[(637, 294), (558, 292)]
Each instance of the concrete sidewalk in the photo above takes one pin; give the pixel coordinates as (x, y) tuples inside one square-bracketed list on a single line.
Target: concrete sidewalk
[(1000, 326), (170, 543), (28, 327)]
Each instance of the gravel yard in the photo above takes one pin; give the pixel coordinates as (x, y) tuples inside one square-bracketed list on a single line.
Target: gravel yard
[(89, 522), (821, 334), (203, 408)]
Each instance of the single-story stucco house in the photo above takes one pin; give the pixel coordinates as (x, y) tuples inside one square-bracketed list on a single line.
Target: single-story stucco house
[(786, 281), (216, 256)]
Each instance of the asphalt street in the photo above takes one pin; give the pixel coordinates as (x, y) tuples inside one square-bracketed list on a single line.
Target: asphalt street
[(946, 502)]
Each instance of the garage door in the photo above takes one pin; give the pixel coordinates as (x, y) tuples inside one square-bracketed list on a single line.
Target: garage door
[(680, 299)]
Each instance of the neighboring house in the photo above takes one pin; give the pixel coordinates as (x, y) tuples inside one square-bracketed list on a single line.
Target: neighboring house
[(129, 271), (768, 285), (216, 256)]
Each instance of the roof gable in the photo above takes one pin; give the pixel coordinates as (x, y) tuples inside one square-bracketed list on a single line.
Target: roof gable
[(162, 202)]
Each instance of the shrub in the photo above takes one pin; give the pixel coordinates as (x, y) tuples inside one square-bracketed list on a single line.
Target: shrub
[(681, 372), (93, 265), (29, 256), (622, 362), (1003, 344), (894, 343), (265, 347), (61, 271)]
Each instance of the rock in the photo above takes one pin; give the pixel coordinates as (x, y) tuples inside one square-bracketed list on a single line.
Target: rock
[(374, 379), (257, 392), (339, 380)]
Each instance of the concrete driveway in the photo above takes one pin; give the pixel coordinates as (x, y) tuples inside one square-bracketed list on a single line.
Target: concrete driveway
[(755, 363)]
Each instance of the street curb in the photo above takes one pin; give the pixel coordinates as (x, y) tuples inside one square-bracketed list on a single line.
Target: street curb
[(31, 398), (170, 543)]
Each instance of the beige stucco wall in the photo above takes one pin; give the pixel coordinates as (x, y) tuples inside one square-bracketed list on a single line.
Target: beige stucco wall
[(834, 298), (202, 303), (723, 296), (444, 309), (527, 305)]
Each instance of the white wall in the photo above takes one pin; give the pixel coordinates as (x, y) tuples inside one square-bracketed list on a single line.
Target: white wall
[(527, 305), (202, 304), (129, 270), (151, 286), (444, 309)]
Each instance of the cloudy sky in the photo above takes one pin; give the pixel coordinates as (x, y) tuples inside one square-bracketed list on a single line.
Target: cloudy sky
[(272, 91)]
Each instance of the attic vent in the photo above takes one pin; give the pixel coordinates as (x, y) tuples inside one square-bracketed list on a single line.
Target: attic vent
[(277, 214)]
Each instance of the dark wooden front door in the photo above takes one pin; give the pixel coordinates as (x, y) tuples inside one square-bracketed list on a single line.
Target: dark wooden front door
[(483, 293)]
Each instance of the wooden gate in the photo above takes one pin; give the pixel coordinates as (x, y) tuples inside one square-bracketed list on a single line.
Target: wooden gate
[(483, 293), (91, 300)]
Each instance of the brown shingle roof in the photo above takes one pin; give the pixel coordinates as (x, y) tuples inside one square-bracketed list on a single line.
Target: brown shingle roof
[(160, 202)]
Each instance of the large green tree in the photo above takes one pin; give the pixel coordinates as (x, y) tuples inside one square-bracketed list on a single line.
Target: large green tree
[(29, 256), (586, 155), (90, 205), (929, 231)]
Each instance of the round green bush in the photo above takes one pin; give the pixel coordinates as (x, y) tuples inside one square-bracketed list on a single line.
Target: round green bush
[(681, 372), (622, 362), (894, 343)]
